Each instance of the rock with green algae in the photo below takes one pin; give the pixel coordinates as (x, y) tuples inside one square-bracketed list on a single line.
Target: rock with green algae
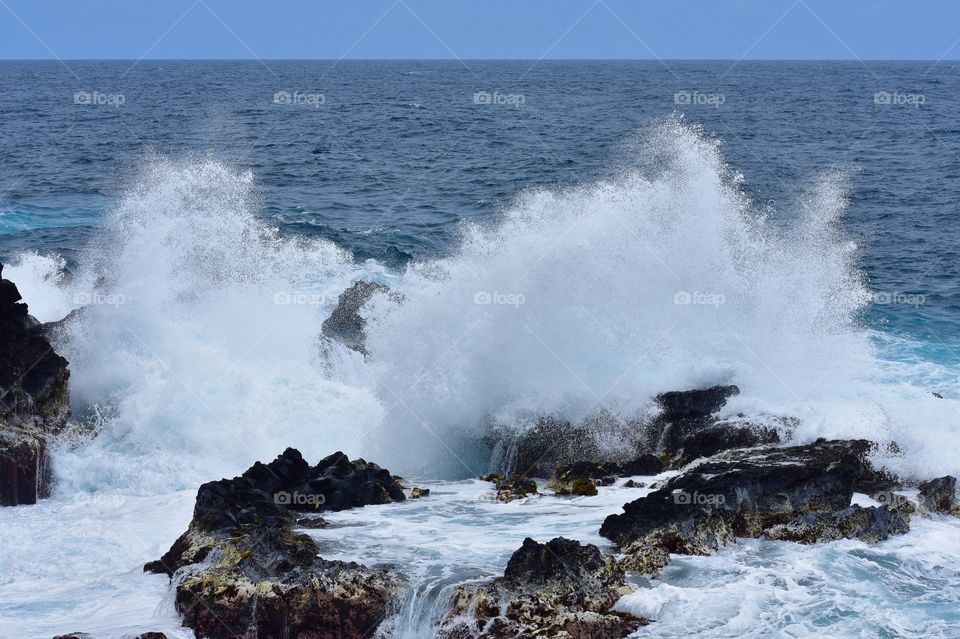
[(516, 487)]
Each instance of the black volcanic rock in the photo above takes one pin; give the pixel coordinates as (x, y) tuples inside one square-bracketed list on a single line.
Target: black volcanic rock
[(243, 571), (345, 324), (939, 495), (696, 403), (34, 402), (550, 442), (754, 492), (872, 525), (688, 429), (558, 589), (568, 477)]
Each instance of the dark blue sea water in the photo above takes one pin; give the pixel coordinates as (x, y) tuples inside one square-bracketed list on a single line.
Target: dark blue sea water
[(386, 158)]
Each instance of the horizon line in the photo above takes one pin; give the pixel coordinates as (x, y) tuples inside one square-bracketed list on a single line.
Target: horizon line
[(461, 60)]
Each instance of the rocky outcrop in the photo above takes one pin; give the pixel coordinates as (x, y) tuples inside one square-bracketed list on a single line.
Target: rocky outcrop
[(509, 489), (695, 404), (345, 324), (687, 427), (34, 402), (871, 525), (548, 443), (582, 478), (241, 570), (561, 589), (802, 493), (939, 495)]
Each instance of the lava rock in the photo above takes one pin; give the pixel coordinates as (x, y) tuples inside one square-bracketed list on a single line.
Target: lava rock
[(696, 403), (647, 464), (939, 495), (687, 427), (685, 440), (345, 324), (241, 570), (871, 525), (572, 479), (516, 487), (748, 492), (549, 443), (34, 401), (560, 589), (416, 492)]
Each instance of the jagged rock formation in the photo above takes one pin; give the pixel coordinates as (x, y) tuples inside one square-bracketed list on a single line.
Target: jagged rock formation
[(802, 493), (34, 402), (687, 427), (561, 589), (939, 496), (345, 324), (240, 570), (579, 478)]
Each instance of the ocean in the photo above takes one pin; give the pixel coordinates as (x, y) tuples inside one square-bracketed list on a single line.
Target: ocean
[(568, 238)]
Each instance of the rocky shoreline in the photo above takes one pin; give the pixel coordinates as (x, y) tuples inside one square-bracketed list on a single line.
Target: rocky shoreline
[(241, 553), (34, 402), (245, 568)]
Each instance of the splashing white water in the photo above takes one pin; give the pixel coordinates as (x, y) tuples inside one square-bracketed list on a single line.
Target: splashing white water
[(199, 344), (662, 277)]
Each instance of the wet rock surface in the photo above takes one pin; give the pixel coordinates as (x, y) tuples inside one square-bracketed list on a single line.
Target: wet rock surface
[(509, 489), (695, 404), (561, 589), (872, 525), (802, 493), (34, 402), (582, 478), (345, 324), (240, 570), (939, 495), (688, 429)]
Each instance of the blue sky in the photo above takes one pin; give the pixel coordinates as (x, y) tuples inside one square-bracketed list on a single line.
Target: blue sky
[(468, 29)]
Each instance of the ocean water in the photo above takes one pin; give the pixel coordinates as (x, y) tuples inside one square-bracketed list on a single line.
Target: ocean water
[(569, 238)]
